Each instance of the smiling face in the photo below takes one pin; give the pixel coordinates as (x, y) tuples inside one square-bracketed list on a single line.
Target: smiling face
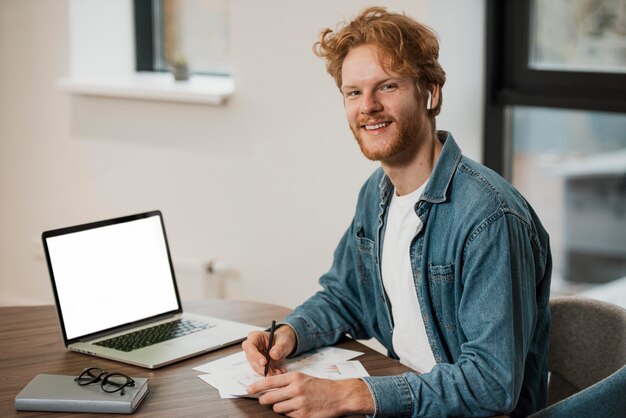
[(382, 107)]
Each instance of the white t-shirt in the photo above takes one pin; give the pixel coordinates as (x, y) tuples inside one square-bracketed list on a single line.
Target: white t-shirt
[(409, 335)]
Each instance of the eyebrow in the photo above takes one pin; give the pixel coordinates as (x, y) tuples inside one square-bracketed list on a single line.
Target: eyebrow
[(379, 83), (348, 87)]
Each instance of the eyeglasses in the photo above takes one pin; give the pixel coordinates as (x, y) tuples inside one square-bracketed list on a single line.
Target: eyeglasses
[(110, 382)]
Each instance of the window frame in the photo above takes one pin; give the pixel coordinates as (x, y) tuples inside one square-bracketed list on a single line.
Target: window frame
[(144, 35), (146, 51), (511, 81)]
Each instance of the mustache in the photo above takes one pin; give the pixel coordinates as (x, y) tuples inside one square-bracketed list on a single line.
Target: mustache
[(373, 121)]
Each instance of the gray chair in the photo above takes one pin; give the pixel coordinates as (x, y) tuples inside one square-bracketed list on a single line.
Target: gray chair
[(586, 361)]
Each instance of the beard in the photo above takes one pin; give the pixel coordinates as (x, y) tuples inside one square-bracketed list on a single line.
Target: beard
[(404, 138)]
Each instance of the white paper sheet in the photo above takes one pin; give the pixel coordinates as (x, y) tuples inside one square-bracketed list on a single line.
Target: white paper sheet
[(238, 360), (231, 384), (231, 375)]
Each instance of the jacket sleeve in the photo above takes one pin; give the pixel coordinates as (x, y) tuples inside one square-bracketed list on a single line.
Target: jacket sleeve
[(496, 316), (333, 312)]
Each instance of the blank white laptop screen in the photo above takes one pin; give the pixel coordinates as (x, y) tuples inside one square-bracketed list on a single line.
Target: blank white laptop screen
[(112, 275)]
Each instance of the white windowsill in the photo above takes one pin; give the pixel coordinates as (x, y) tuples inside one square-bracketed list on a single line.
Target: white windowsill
[(199, 89)]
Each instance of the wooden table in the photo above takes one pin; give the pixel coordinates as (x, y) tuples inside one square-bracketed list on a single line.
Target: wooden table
[(31, 343)]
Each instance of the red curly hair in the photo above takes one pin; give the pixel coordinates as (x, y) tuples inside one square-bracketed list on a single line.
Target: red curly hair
[(412, 49)]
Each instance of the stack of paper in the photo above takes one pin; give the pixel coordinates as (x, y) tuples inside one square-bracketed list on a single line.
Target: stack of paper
[(231, 375)]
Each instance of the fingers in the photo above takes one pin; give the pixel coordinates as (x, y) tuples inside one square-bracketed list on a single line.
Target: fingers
[(254, 346), (287, 407), (284, 344), (286, 393), (271, 382), (297, 394)]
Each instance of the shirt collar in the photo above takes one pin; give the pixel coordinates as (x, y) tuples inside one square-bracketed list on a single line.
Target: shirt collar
[(442, 174)]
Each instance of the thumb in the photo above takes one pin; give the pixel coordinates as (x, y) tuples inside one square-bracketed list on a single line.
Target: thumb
[(277, 352), (283, 346)]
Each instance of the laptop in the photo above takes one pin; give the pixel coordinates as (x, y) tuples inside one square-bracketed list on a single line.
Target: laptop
[(116, 294)]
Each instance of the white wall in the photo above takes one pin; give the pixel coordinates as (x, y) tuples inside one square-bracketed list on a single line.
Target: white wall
[(267, 183)]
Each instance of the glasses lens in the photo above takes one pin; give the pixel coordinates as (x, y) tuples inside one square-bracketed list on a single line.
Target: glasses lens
[(90, 375), (116, 381)]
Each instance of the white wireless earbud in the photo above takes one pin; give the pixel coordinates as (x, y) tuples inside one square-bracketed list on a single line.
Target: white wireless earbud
[(429, 101)]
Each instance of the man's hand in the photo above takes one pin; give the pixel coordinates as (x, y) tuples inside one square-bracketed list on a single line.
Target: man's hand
[(255, 347), (299, 395)]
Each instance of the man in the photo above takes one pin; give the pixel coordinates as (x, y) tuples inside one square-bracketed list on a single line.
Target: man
[(444, 262)]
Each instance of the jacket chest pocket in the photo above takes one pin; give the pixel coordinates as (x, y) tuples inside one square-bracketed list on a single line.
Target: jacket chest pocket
[(366, 259), (441, 284)]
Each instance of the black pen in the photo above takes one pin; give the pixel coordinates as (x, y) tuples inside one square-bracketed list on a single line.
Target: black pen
[(269, 347)]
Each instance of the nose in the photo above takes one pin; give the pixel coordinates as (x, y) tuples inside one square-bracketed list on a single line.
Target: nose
[(370, 104)]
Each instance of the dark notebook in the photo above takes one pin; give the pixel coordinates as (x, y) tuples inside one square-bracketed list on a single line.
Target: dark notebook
[(51, 392)]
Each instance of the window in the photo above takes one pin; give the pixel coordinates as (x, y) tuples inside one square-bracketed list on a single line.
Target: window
[(589, 35), (192, 33), (555, 126)]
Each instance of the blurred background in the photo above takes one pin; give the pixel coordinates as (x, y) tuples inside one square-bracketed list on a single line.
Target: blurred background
[(251, 159)]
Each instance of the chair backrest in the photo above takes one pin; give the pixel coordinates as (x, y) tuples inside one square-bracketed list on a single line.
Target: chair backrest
[(587, 344)]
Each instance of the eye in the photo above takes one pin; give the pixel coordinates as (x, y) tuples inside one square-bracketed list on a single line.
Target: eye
[(388, 87), (352, 93)]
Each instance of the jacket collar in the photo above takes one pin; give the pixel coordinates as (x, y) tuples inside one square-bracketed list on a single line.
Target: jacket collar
[(442, 174)]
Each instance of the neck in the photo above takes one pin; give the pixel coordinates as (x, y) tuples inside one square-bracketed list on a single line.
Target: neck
[(410, 170)]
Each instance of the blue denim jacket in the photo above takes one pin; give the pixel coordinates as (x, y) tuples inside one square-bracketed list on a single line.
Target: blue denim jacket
[(481, 264)]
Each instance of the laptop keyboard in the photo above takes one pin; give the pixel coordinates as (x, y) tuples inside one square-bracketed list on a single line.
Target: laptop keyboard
[(153, 335)]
